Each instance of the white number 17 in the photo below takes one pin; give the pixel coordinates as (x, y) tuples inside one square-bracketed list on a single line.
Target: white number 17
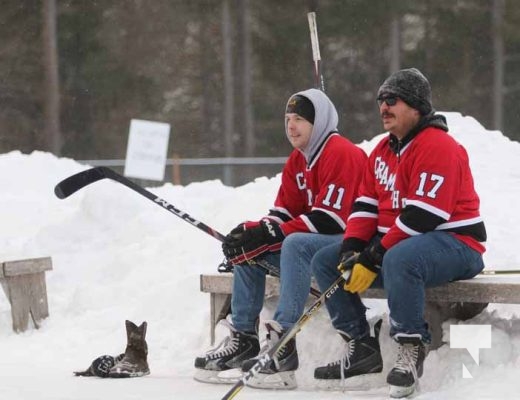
[(432, 193)]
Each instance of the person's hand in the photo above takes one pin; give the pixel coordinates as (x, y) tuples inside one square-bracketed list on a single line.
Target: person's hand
[(365, 268), (247, 241), (347, 259)]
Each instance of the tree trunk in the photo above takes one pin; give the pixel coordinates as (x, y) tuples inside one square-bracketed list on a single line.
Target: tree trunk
[(228, 89), (498, 68), (51, 97), (244, 21)]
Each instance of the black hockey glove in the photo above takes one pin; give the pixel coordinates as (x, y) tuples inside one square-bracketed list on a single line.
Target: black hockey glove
[(100, 366), (349, 248), (248, 241)]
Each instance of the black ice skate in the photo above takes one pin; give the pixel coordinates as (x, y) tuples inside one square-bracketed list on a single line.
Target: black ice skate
[(279, 372), (404, 376), (134, 362), (228, 355), (362, 357)]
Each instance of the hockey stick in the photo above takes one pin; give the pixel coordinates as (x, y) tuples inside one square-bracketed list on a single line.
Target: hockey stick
[(313, 29), (271, 353), (500, 272), (78, 181)]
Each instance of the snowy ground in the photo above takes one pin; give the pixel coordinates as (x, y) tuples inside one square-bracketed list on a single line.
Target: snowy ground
[(117, 256)]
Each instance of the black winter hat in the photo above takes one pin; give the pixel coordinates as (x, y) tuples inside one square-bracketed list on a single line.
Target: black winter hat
[(411, 86), (302, 106)]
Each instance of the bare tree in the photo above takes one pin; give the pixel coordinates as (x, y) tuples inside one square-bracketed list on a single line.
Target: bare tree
[(498, 68), (51, 97), (228, 87), (244, 28)]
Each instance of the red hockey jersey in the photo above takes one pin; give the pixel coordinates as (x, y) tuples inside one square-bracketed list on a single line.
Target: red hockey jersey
[(422, 186), (318, 198)]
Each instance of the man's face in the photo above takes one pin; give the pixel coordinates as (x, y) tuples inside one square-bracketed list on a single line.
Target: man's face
[(397, 116), (299, 130)]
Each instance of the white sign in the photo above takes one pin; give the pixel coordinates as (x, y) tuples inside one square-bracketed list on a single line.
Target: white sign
[(471, 337), (147, 149)]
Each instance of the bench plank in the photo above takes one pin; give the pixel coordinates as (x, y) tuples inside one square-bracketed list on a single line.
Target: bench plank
[(29, 266), (461, 300), (481, 289)]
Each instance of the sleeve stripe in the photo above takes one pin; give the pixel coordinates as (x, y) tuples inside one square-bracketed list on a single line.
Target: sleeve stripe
[(333, 215), (368, 200), (405, 228), (456, 224), (282, 210), (276, 219), (431, 209), (383, 229), (362, 214), (309, 224)]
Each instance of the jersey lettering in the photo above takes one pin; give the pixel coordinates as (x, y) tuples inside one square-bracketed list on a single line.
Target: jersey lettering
[(383, 175), (395, 199), (300, 181)]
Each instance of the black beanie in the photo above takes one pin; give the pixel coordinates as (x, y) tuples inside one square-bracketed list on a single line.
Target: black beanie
[(411, 86), (302, 106)]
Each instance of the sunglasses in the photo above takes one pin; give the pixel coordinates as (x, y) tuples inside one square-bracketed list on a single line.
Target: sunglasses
[(390, 100)]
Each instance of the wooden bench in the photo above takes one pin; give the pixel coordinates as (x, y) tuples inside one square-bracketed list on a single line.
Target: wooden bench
[(23, 282), (461, 300)]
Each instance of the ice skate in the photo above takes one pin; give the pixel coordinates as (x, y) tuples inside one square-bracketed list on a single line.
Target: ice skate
[(404, 376), (279, 372), (221, 364), (355, 370), (134, 362)]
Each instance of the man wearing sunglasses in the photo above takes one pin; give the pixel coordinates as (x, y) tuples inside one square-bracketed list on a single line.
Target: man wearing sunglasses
[(415, 224)]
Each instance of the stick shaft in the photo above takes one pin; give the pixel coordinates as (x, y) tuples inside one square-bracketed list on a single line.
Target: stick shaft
[(500, 272), (78, 181), (313, 29), (271, 353)]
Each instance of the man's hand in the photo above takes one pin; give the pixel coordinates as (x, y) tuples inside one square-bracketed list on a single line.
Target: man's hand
[(247, 241), (365, 269)]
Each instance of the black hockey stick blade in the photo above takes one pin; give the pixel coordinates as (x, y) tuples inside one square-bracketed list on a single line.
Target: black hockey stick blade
[(75, 182)]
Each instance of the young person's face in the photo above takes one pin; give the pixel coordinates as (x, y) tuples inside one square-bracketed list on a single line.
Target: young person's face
[(299, 130), (398, 117)]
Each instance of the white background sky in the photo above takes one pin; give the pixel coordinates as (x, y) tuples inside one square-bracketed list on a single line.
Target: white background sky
[(117, 256)]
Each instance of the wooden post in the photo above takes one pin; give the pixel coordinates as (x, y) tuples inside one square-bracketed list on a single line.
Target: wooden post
[(23, 282), (176, 170)]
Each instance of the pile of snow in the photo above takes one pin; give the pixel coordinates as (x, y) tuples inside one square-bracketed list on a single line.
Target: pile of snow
[(117, 256)]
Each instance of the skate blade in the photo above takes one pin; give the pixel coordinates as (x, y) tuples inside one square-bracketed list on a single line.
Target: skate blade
[(397, 392), (353, 383), (127, 374), (228, 377), (280, 380)]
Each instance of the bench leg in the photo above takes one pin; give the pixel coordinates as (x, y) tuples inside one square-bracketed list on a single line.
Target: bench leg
[(27, 295), (438, 312), (220, 307)]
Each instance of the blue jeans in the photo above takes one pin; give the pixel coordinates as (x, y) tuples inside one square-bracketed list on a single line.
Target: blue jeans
[(416, 263), (294, 262)]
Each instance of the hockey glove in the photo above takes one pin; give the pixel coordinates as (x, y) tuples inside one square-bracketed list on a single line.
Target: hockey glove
[(246, 242), (100, 366), (350, 249), (365, 269)]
